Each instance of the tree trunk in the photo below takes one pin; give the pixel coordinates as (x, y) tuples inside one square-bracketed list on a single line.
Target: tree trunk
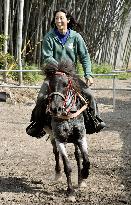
[(37, 31), (6, 25), (19, 37), (1, 14), (28, 8)]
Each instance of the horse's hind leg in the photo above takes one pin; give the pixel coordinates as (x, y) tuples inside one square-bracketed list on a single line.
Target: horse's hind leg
[(86, 163), (57, 160)]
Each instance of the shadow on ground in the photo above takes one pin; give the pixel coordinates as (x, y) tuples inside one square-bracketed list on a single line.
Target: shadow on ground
[(119, 121)]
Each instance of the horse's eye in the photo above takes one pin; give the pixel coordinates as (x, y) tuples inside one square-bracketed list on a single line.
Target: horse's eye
[(64, 84)]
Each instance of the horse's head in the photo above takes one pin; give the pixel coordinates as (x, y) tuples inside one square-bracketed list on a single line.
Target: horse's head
[(62, 95), (62, 92)]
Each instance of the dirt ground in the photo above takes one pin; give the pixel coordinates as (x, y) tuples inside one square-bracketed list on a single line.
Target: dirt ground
[(27, 164)]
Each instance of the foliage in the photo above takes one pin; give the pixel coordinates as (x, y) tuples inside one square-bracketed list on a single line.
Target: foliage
[(79, 69), (102, 22), (103, 69), (124, 76), (28, 77), (32, 77), (9, 58), (96, 69), (5, 57), (103, 25), (107, 69), (2, 40)]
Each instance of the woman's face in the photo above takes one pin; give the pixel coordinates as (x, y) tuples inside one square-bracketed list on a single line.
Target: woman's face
[(61, 21)]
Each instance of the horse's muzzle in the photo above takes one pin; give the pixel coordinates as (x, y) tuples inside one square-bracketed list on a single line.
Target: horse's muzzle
[(56, 110)]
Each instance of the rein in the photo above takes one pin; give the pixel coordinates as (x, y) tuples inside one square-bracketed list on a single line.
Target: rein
[(70, 100), (78, 112)]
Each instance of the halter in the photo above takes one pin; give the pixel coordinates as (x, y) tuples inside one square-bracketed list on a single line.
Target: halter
[(69, 99), (57, 93)]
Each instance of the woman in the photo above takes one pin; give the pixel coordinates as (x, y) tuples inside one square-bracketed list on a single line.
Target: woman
[(62, 43)]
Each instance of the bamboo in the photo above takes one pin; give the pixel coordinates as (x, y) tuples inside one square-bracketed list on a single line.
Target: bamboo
[(37, 31), (1, 5), (6, 25), (99, 20), (28, 8), (19, 37)]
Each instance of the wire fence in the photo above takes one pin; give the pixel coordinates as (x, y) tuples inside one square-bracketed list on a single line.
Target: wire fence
[(113, 75)]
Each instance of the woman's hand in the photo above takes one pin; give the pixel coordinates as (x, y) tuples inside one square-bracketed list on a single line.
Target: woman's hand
[(89, 81)]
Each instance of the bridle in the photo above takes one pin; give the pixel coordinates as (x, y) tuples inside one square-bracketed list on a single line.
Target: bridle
[(69, 99)]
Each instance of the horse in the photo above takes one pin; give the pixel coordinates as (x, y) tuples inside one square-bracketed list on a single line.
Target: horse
[(65, 107)]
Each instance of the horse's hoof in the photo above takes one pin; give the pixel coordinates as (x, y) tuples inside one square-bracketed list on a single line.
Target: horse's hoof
[(85, 172), (82, 185), (71, 198)]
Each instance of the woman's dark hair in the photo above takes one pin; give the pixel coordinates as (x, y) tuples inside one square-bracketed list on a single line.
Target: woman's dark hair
[(72, 23)]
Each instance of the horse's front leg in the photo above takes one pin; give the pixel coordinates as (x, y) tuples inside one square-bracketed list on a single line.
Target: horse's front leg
[(57, 160), (82, 143), (78, 160), (67, 167)]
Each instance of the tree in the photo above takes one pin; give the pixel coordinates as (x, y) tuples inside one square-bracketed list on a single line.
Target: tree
[(1, 15), (6, 20), (103, 22), (19, 37)]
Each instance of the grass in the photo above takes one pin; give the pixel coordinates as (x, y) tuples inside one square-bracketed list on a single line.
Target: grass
[(28, 77), (104, 69)]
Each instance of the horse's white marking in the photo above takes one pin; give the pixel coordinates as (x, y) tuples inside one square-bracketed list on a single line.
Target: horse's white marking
[(82, 185), (84, 143), (72, 199), (61, 148)]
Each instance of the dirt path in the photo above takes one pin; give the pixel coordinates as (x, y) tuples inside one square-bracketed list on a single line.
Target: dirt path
[(27, 164)]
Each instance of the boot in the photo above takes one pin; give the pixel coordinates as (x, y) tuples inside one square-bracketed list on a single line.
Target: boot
[(35, 130), (92, 123), (100, 125)]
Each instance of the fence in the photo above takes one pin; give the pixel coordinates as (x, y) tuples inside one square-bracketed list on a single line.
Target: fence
[(113, 75)]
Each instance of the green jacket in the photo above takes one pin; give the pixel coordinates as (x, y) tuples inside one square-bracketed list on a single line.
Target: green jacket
[(73, 49)]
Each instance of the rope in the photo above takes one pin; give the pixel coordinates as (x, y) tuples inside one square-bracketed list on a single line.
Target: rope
[(70, 98)]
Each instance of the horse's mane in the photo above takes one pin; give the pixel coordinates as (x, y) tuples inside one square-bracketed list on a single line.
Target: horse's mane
[(66, 67), (63, 66)]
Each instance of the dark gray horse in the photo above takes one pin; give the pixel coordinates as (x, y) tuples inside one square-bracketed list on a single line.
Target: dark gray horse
[(66, 106)]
